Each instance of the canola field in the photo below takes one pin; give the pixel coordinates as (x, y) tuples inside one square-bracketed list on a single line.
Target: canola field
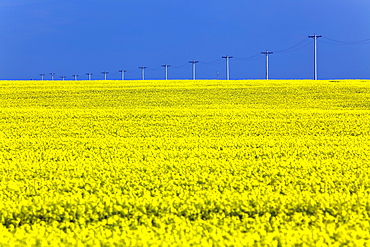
[(185, 163)]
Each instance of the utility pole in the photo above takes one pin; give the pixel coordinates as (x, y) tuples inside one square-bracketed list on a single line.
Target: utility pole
[(142, 72), (122, 73), (42, 76), (166, 67), (193, 67), (314, 37), (75, 76), (105, 75), (267, 53), (52, 76), (227, 67), (63, 77), (89, 75)]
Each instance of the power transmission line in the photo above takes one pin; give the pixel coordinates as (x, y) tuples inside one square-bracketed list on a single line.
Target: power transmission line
[(299, 45), (105, 74), (166, 69), (89, 75), (193, 67), (122, 73), (142, 72), (267, 53), (227, 67), (315, 37)]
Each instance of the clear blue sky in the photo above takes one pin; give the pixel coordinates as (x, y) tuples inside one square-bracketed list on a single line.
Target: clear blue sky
[(75, 37)]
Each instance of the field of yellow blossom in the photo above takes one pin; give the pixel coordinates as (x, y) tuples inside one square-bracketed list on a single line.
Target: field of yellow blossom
[(185, 163)]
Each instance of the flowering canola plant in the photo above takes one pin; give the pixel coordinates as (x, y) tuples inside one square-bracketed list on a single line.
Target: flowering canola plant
[(185, 163)]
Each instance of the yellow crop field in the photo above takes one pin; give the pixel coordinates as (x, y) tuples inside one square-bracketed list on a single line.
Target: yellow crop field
[(185, 163)]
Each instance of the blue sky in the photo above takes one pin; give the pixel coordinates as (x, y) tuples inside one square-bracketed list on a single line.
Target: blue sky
[(80, 36)]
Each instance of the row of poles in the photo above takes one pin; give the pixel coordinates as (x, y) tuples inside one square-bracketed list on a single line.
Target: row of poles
[(194, 62)]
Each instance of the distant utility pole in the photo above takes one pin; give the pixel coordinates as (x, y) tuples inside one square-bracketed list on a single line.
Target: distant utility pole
[(75, 76), (52, 76), (142, 72), (314, 37), (166, 67), (42, 76), (267, 53), (122, 73), (63, 77), (227, 67), (193, 67), (105, 74), (89, 75)]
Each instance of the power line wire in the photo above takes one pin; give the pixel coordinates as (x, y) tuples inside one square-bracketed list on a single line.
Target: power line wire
[(180, 66), (254, 57), (295, 47), (156, 68), (298, 48), (339, 42), (212, 62)]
